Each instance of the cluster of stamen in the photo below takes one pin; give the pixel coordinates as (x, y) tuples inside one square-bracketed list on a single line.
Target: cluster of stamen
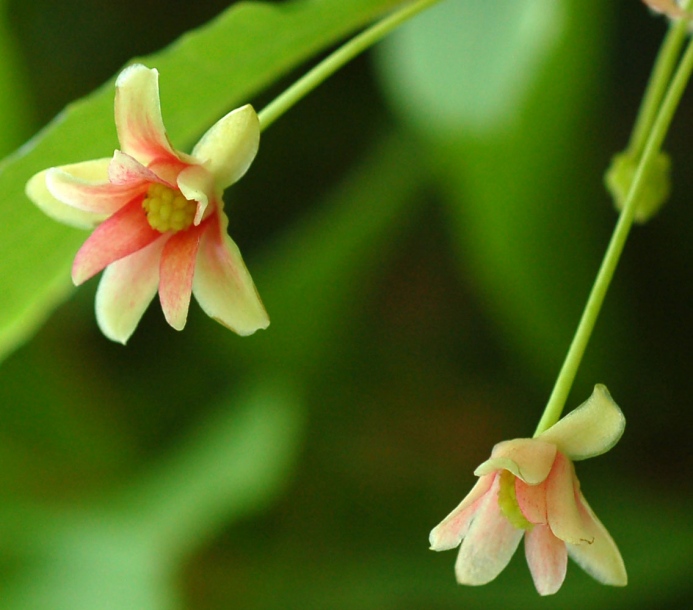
[(167, 209)]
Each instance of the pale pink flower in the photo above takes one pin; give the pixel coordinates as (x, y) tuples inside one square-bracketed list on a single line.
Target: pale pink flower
[(159, 217), (528, 488), (670, 8)]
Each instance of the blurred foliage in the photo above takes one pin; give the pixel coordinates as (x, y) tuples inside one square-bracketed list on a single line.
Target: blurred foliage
[(424, 251)]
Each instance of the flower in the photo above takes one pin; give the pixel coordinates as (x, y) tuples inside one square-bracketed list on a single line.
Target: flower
[(158, 216), (528, 487), (670, 8)]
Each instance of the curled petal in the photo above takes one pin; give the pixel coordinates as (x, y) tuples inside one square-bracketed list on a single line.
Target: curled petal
[(126, 170), (527, 458), (176, 273), (124, 233), (591, 429), (61, 209), (138, 119), (561, 505), (489, 544), (230, 145), (601, 559), (449, 532), (547, 558), (197, 184), (126, 289), (222, 285)]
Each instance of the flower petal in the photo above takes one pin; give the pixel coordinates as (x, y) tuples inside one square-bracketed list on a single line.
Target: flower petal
[(126, 289), (197, 184), (122, 234), (61, 209), (177, 269), (126, 170), (591, 429), (547, 558), (561, 506), (601, 559), (230, 145), (527, 458), (489, 544), (222, 284), (449, 532), (138, 119), (532, 501)]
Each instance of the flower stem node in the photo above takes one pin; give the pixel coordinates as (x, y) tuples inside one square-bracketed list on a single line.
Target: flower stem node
[(655, 191), (528, 489)]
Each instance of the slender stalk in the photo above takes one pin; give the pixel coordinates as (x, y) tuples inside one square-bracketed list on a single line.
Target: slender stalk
[(336, 60), (656, 137)]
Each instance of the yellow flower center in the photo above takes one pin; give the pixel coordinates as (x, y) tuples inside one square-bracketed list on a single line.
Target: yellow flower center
[(507, 502), (167, 209)]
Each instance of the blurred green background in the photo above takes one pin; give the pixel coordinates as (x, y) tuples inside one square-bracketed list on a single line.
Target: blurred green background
[(424, 229)]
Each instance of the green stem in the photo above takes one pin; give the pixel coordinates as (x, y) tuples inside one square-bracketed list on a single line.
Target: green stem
[(657, 86), (659, 129), (343, 55)]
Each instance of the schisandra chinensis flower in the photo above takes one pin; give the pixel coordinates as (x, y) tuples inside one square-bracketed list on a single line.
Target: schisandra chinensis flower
[(528, 488), (159, 217)]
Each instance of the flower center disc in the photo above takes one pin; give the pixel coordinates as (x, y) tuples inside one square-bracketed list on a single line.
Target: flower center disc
[(167, 209)]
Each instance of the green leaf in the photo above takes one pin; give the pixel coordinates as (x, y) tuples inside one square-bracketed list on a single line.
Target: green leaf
[(203, 75)]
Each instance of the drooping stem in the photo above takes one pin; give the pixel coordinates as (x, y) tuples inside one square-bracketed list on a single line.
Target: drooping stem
[(654, 141), (336, 60)]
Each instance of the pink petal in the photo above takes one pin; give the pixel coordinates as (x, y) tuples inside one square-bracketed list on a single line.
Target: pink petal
[(138, 119), (127, 170), (229, 147), (547, 558), (489, 544), (177, 268), (197, 184), (591, 429), (532, 501), (527, 458), (601, 559), (125, 232), (222, 284), (126, 289), (102, 198), (449, 532), (563, 514)]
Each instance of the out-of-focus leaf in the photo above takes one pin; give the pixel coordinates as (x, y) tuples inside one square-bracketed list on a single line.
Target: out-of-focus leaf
[(202, 75), (14, 101), (125, 552), (523, 213)]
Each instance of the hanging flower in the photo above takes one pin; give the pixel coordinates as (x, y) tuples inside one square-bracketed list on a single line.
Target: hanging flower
[(528, 488), (670, 8), (158, 216)]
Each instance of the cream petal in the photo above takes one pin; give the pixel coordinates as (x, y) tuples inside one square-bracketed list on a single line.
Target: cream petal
[(601, 559), (561, 505), (547, 559), (126, 289), (126, 170), (197, 184), (230, 145), (489, 545), (527, 458), (591, 429), (222, 285), (138, 119), (37, 190), (449, 532), (124, 233), (176, 275)]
